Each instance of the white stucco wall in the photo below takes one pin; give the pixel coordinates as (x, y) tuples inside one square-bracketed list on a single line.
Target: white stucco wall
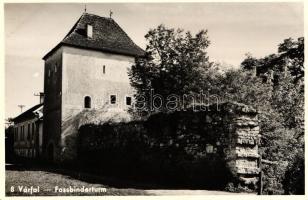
[(83, 76)]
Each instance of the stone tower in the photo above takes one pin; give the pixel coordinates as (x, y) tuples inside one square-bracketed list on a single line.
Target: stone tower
[(85, 72)]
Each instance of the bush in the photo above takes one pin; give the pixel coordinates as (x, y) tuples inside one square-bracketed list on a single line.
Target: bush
[(294, 181)]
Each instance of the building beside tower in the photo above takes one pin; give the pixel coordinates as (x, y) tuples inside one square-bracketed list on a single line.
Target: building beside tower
[(27, 132)]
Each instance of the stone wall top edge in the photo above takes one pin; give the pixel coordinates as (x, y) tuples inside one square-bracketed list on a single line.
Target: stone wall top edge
[(230, 107)]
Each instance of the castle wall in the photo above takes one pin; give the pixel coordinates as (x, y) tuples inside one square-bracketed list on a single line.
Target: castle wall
[(210, 148)]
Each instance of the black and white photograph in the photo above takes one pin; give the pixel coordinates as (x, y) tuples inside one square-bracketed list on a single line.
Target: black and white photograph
[(153, 98)]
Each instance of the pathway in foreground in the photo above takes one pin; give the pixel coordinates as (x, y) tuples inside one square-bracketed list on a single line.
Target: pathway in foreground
[(189, 192), (20, 182)]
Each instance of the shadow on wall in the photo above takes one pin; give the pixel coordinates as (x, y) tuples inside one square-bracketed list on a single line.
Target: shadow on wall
[(70, 127), (178, 149), (206, 149)]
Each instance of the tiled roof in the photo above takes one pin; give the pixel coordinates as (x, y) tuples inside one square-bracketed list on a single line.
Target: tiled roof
[(108, 36), (30, 113)]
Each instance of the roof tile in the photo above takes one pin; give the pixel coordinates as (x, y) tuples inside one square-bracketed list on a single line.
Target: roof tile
[(108, 36)]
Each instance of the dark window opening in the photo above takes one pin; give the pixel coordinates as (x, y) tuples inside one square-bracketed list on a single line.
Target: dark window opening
[(22, 135), (33, 130), (15, 134), (28, 134), (128, 101), (19, 133), (87, 102), (113, 99), (50, 153), (104, 69)]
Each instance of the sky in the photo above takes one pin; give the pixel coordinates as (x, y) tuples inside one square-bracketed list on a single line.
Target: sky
[(32, 30)]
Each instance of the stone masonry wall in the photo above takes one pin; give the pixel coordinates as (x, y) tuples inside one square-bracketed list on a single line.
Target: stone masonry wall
[(210, 148)]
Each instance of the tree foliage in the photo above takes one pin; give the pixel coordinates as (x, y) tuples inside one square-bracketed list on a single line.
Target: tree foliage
[(290, 57), (283, 126), (177, 63)]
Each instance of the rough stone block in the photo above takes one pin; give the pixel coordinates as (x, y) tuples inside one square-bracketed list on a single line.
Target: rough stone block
[(244, 163), (247, 170), (249, 181), (246, 140)]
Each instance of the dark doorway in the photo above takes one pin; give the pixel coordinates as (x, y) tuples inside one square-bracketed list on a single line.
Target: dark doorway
[(50, 153)]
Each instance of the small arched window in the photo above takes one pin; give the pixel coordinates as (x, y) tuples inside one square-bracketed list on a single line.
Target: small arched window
[(87, 102)]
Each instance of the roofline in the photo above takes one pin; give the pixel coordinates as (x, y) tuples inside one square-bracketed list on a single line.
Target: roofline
[(51, 51), (20, 115), (91, 48), (58, 45)]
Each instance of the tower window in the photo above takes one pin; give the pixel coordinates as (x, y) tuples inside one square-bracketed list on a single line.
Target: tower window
[(89, 31), (128, 101), (104, 69), (113, 99), (87, 102)]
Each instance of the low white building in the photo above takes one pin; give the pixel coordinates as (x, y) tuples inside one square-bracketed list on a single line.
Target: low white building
[(28, 132)]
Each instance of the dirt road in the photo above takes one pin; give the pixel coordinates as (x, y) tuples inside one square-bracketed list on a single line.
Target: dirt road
[(34, 182)]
